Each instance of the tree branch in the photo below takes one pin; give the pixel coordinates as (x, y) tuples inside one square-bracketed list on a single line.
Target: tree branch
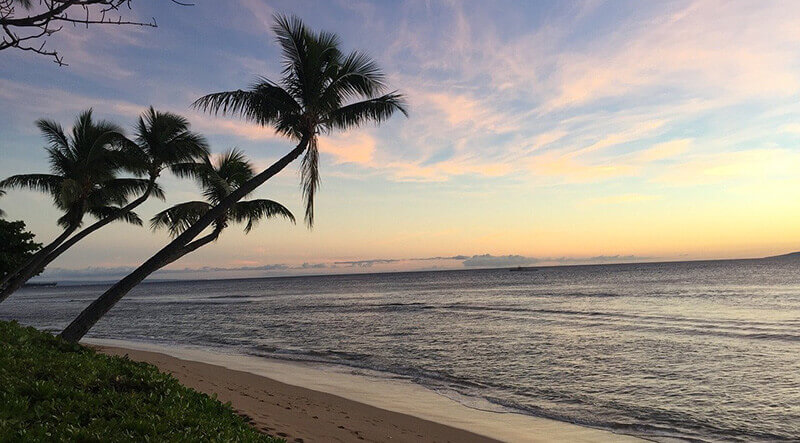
[(26, 24)]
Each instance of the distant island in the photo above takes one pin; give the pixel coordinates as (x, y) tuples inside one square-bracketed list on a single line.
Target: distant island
[(789, 256), (37, 285)]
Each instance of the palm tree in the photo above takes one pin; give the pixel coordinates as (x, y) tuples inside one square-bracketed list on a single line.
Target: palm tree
[(83, 178), (2, 213), (218, 179), (162, 139), (321, 90)]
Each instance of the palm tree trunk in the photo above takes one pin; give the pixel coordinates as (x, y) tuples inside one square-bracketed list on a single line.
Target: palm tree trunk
[(34, 267), (36, 258), (95, 311)]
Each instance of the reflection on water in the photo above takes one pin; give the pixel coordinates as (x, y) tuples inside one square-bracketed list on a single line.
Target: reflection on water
[(704, 350)]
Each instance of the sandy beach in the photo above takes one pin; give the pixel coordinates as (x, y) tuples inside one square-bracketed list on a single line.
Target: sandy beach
[(303, 404)]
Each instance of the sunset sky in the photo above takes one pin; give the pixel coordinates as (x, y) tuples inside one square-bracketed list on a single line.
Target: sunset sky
[(540, 132)]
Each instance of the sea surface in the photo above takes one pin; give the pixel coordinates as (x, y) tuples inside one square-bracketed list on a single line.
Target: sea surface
[(701, 351)]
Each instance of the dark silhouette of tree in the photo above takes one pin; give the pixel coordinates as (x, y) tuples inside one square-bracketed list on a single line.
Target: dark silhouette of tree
[(321, 90), (162, 139), (26, 24), (16, 245), (83, 178), (217, 180)]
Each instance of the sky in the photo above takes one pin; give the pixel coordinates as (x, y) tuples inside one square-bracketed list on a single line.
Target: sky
[(539, 133)]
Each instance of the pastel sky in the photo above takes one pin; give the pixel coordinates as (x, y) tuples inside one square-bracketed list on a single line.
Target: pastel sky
[(540, 132)]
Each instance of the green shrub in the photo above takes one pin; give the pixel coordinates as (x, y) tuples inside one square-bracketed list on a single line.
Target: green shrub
[(51, 390)]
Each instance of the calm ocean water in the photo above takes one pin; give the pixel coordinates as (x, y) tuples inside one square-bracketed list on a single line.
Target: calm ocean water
[(695, 350)]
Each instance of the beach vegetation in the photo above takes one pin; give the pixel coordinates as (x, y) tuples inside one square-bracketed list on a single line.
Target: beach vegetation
[(52, 390), (16, 245)]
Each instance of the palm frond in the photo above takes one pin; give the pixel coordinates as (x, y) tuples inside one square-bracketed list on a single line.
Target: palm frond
[(193, 170), (253, 211), (292, 36), (119, 214), (205, 173), (53, 133), (234, 167), (264, 103), (47, 183), (132, 157), (179, 217), (375, 110), (120, 190), (357, 75), (166, 139), (72, 217), (69, 195)]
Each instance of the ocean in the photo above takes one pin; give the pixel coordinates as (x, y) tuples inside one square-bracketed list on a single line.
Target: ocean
[(698, 351)]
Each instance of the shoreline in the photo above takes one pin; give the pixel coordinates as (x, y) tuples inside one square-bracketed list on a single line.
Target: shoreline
[(310, 403)]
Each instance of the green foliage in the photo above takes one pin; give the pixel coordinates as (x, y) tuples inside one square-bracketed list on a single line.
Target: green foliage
[(16, 245), (51, 390)]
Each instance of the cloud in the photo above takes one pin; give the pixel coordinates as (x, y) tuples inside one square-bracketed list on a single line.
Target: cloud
[(791, 128), (506, 261), (662, 151), (232, 126), (352, 147), (635, 132), (366, 263), (463, 111), (754, 164), (487, 261), (571, 170)]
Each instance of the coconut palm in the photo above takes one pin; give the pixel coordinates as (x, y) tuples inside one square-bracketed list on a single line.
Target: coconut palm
[(322, 89), (83, 177), (218, 179), (162, 139)]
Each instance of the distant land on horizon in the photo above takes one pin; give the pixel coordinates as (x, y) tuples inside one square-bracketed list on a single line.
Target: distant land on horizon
[(75, 282), (791, 255)]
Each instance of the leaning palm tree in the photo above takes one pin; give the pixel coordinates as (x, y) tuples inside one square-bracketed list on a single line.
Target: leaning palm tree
[(321, 90), (83, 178), (162, 139), (218, 179)]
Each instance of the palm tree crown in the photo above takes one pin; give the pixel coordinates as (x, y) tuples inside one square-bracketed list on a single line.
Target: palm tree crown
[(217, 179), (162, 139), (84, 168), (321, 89)]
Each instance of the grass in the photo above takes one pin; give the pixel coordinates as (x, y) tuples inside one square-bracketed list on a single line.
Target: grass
[(51, 390)]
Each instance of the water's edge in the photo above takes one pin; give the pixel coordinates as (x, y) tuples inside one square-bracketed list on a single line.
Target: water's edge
[(386, 391)]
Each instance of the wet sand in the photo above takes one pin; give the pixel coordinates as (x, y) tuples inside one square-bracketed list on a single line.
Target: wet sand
[(303, 403)]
